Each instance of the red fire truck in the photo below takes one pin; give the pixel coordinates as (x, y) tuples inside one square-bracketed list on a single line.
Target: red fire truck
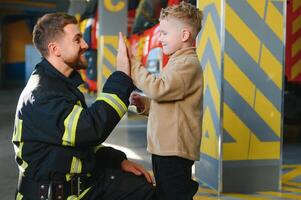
[(292, 95)]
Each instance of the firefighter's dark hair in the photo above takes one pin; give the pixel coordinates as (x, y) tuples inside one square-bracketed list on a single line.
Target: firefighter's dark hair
[(48, 28)]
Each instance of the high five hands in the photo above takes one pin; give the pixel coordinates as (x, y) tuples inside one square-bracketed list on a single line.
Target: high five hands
[(123, 62)]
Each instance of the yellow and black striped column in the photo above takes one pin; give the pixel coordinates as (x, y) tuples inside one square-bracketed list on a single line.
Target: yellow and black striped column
[(241, 48), (112, 20)]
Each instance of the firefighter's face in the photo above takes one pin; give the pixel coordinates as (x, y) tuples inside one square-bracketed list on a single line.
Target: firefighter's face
[(73, 47), (170, 35)]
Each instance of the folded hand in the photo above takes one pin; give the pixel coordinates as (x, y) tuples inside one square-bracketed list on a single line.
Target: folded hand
[(129, 166)]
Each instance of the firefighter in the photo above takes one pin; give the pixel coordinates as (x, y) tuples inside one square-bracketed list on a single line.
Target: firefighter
[(58, 139)]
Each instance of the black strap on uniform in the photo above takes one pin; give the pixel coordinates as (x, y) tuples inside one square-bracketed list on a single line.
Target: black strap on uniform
[(53, 190), (32, 189)]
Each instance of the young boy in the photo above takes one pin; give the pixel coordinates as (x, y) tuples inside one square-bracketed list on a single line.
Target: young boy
[(175, 105)]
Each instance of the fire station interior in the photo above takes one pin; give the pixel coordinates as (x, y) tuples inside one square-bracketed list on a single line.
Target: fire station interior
[(250, 52)]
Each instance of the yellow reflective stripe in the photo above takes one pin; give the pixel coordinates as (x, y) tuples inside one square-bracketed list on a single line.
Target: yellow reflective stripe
[(68, 177), (115, 102), (98, 147), (17, 130), (18, 150), (79, 103), (76, 166), (84, 192), (70, 124), (74, 197), (82, 87), (19, 196)]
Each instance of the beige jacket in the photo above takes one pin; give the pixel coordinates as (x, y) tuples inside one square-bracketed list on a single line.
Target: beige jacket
[(175, 110)]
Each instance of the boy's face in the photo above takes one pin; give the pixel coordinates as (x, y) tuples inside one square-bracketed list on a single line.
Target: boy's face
[(171, 36)]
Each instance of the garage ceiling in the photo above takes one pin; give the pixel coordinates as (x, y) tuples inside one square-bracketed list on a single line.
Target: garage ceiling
[(32, 7)]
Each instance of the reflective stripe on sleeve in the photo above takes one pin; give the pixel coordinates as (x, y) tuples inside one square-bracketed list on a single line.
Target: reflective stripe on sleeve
[(18, 151), (114, 101), (17, 130), (18, 145), (70, 124)]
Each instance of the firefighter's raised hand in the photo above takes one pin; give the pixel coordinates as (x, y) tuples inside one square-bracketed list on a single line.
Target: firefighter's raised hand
[(123, 62)]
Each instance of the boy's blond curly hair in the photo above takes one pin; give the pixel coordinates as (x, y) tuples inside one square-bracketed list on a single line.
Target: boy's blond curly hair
[(186, 12)]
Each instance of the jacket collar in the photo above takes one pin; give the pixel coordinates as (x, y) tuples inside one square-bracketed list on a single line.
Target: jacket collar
[(183, 52), (74, 79)]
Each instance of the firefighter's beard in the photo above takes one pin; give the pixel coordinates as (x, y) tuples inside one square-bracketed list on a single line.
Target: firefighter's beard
[(82, 62), (77, 62)]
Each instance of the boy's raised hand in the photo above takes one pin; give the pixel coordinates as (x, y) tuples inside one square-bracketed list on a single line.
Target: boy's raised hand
[(122, 60)]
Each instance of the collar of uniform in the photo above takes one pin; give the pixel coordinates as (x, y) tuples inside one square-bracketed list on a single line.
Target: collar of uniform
[(75, 78), (183, 52)]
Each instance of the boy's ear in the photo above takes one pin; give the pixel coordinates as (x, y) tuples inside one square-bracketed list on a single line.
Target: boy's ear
[(186, 34), (54, 49)]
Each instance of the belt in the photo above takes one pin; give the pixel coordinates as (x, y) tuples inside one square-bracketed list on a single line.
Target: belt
[(53, 190)]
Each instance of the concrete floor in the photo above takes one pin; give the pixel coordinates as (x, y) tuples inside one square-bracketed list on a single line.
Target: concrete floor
[(129, 136)]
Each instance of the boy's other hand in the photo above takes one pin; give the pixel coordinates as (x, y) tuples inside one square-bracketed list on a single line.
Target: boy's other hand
[(137, 100), (122, 60)]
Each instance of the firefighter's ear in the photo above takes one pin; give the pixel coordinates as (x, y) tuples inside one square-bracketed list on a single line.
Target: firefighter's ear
[(54, 49)]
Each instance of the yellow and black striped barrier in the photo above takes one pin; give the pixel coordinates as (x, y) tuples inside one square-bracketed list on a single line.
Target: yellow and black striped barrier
[(112, 20), (241, 49), (209, 51)]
